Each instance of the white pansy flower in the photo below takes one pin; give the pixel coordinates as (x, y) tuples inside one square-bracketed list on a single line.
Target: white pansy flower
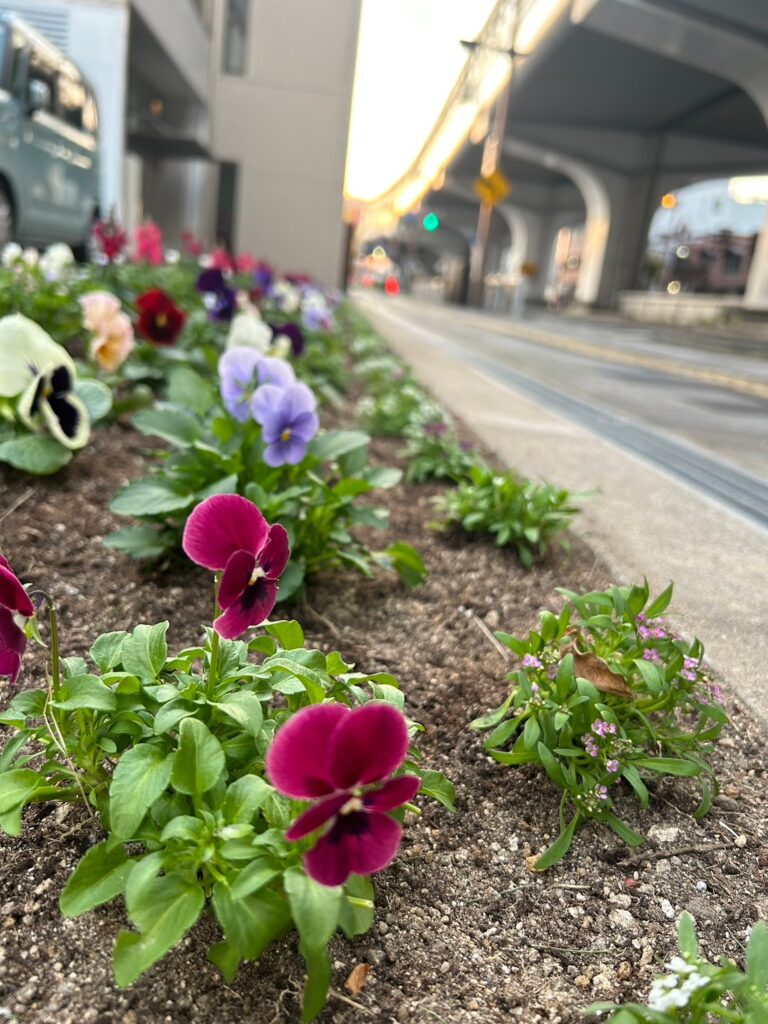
[(11, 253), (55, 260), (248, 330), (31, 256)]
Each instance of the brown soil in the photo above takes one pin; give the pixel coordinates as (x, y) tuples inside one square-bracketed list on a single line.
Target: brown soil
[(464, 931)]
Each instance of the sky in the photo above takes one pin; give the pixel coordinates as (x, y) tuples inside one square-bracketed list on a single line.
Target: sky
[(707, 208), (409, 58)]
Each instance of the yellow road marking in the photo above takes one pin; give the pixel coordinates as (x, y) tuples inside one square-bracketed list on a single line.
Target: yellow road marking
[(732, 381)]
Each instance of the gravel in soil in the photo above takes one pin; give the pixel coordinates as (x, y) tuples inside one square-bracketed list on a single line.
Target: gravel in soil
[(464, 930)]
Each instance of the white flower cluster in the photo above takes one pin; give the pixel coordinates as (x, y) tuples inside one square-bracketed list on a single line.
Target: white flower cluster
[(675, 990)]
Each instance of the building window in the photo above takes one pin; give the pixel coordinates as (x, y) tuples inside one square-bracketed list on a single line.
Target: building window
[(732, 262), (235, 37)]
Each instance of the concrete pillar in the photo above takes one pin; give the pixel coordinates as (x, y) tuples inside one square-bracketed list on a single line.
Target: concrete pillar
[(533, 241), (756, 294)]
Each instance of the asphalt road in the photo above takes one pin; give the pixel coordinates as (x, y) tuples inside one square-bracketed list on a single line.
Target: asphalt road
[(700, 415)]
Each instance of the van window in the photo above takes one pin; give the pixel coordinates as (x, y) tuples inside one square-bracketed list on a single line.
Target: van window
[(40, 71), (71, 101)]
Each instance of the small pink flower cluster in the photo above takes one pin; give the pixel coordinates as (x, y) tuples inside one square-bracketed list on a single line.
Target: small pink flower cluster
[(531, 661), (688, 671), (651, 629)]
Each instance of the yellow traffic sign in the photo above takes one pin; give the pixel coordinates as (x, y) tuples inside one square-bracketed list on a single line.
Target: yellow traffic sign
[(492, 188)]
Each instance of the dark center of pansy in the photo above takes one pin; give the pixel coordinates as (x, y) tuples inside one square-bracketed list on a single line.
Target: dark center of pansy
[(67, 415), (253, 593), (355, 823), (161, 320), (286, 434)]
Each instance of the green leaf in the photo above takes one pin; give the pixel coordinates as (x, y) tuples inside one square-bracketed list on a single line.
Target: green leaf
[(172, 424), (11, 749), (315, 908), (757, 957), (354, 919), (292, 580), (407, 563), (254, 876), (152, 496), (244, 797), (660, 604), (138, 541), (141, 775), (318, 980), (199, 760), (163, 911), (436, 785), (384, 477), (252, 922), (145, 651), (668, 765), (551, 765), (623, 831), (17, 786), (86, 692), (188, 390), (332, 445), (98, 878), (493, 717), (686, 935), (35, 454), (287, 632), (106, 650), (560, 847), (96, 397), (226, 958), (244, 708)]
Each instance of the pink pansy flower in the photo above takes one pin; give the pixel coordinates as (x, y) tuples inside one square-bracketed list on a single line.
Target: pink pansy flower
[(343, 760), (98, 308), (14, 605), (228, 534), (148, 244)]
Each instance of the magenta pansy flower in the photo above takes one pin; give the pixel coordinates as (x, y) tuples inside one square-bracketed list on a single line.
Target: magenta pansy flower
[(342, 760), (228, 534), (15, 605)]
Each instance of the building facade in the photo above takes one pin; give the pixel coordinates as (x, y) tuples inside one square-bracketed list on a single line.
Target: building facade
[(227, 118)]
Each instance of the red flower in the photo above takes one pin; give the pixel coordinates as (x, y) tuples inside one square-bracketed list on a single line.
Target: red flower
[(160, 319), (15, 608), (110, 238)]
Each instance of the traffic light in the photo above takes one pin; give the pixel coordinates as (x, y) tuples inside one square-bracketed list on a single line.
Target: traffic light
[(431, 222)]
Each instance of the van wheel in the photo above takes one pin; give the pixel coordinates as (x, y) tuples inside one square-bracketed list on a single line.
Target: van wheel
[(6, 217)]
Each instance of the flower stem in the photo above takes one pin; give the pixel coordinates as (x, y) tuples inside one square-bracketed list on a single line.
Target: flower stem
[(215, 654), (55, 666)]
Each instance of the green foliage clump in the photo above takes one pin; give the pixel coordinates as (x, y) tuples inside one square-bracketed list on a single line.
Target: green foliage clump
[(606, 695)]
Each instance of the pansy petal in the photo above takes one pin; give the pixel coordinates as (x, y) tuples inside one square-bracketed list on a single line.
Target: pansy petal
[(236, 577), (358, 843), (67, 419), (297, 399), (317, 815), (255, 604), (368, 746), (285, 453), (13, 643), (221, 525), (295, 761), (274, 556), (276, 372), (305, 426), (265, 402), (394, 793), (12, 594)]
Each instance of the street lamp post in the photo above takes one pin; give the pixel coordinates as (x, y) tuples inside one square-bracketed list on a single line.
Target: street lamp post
[(492, 152)]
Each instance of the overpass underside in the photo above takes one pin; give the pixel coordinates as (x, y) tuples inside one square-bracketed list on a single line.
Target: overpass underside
[(620, 102)]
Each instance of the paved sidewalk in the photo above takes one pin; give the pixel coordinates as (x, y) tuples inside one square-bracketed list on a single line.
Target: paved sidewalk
[(642, 522)]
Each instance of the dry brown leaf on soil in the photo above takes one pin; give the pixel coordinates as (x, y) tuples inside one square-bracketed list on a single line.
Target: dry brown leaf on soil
[(594, 669), (357, 979)]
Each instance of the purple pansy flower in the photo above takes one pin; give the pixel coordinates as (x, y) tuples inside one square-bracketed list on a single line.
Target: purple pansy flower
[(263, 275), (288, 422), (14, 605), (343, 759), (241, 370), (293, 333), (218, 298), (227, 532)]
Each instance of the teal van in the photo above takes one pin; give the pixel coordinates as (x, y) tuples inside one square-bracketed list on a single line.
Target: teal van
[(49, 150)]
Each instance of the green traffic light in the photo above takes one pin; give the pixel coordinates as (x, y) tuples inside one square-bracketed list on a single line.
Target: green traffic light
[(431, 222)]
